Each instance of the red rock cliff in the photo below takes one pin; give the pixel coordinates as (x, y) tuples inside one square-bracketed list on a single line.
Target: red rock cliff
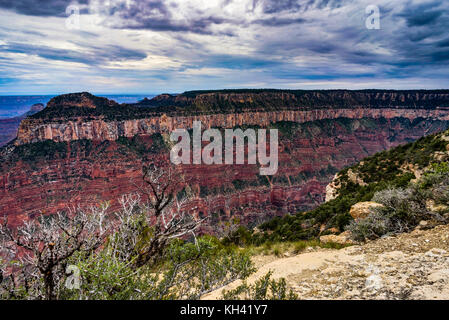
[(84, 162), (33, 130)]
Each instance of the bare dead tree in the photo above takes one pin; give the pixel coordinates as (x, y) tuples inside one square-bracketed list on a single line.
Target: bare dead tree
[(139, 235), (44, 247), (165, 212)]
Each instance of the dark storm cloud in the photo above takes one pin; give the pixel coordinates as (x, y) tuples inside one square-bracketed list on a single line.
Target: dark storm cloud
[(404, 49), (421, 42), (275, 6), (423, 14), (278, 6), (276, 22), (443, 43), (39, 8), (440, 56), (91, 55), (156, 15), (423, 18), (397, 50), (200, 26)]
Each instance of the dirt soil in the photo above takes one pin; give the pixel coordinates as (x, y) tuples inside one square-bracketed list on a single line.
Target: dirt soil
[(407, 266)]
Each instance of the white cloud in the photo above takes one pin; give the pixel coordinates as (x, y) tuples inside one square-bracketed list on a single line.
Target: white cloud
[(199, 44)]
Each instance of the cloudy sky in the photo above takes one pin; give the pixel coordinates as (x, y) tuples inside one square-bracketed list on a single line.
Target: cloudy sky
[(155, 46)]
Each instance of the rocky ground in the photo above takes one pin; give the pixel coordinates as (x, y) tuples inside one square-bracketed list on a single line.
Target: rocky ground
[(407, 266)]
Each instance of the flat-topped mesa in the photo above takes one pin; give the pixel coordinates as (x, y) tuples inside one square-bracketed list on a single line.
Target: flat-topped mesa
[(269, 99), (84, 116)]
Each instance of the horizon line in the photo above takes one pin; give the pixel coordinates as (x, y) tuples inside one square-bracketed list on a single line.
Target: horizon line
[(205, 90)]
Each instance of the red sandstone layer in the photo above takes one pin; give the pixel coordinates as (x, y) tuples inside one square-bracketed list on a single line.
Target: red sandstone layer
[(105, 170)]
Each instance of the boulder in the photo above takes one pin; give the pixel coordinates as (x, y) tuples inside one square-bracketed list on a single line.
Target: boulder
[(342, 238), (363, 209)]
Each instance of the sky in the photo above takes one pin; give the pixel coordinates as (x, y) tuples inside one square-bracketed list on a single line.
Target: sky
[(156, 46)]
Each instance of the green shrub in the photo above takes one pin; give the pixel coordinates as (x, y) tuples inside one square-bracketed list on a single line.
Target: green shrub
[(188, 271), (264, 288), (402, 211)]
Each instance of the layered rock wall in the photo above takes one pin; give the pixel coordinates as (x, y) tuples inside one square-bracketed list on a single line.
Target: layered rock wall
[(87, 172), (34, 130)]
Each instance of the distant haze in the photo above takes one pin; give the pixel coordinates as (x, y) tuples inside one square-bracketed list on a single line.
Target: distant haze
[(13, 106)]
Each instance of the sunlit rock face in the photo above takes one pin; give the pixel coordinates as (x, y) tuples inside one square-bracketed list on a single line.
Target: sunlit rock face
[(31, 130), (82, 149)]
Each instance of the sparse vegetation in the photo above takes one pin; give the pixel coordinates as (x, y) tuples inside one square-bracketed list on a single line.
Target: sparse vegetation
[(403, 209), (146, 250), (280, 249), (387, 170), (264, 288)]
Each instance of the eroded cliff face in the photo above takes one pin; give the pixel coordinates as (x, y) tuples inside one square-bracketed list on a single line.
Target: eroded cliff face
[(84, 116), (34, 130), (55, 175), (83, 149)]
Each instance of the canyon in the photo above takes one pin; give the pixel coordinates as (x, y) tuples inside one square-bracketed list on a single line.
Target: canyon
[(83, 149), (9, 126)]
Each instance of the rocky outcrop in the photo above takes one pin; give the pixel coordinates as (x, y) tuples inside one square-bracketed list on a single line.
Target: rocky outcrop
[(362, 209), (35, 108), (409, 266), (332, 189), (343, 238), (80, 100), (440, 208)]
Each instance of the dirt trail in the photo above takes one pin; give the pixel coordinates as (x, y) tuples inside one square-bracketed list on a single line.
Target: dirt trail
[(407, 266)]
